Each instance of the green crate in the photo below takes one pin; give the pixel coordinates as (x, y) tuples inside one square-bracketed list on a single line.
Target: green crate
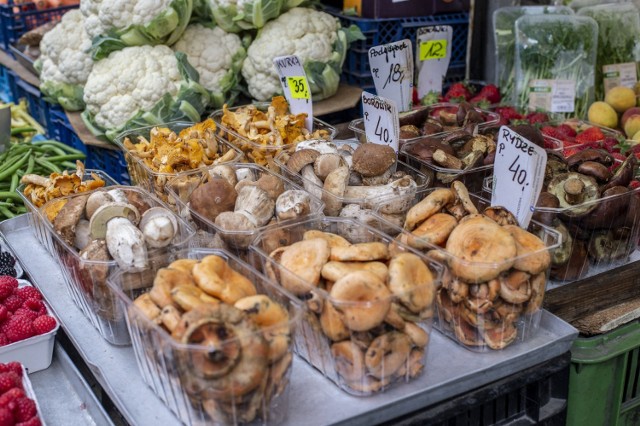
[(604, 382)]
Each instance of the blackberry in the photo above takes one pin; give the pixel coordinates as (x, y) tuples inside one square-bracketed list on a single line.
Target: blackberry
[(8, 270), (7, 259)]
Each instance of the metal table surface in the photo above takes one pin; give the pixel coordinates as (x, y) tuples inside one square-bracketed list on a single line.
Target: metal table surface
[(450, 369)]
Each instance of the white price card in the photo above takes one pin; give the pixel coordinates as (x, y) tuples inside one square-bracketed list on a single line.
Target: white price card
[(295, 86), (381, 123), (552, 95), (433, 50), (392, 69), (518, 174)]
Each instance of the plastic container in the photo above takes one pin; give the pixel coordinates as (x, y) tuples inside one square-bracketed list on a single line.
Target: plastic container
[(419, 115), (570, 145), (468, 313), (16, 19), (167, 366), (395, 204), (36, 220), (111, 161), (4, 247), (356, 70), (255, 152), (36, 352), (180, 188), (334, 355), (604, 383), (28, 391), (86, 279), (153, 181)]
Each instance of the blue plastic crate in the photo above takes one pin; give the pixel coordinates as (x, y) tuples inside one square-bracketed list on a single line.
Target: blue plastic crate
[(62, 130), (5, 89), (17, 19), (38, 107), (356, 69), (111, 161)]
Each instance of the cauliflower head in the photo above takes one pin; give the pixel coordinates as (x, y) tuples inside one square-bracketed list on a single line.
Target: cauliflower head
[(65, 62), (315, 37), (139, 86), (216, 55), (238, 15), (115, 24)]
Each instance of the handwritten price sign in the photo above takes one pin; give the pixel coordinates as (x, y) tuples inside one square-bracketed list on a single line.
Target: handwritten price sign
[(295, 86), (434, 54), (381, 124), (392, 69), (518, 174), (433, 49)]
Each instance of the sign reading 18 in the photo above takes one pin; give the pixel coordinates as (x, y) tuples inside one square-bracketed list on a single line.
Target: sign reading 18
[(382, 132), (519, 175)]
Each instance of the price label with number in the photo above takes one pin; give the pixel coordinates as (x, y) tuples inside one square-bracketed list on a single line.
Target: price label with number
[(381, 123), (433, 49), (295, 86), (518, 174), (392, 69)]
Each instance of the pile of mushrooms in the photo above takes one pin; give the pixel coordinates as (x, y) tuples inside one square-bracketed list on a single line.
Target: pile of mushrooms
[(352, 182), (368, 307), (496, 271), (244, 338), (443, 118), (589, 200), (115, 225), (234, 203)]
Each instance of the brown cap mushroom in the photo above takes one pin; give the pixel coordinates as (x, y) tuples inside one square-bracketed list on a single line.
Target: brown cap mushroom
[(371, 159)]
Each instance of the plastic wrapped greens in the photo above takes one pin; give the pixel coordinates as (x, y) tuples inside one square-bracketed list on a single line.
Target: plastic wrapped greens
[(504, 21), (555, 63), (618, 45)]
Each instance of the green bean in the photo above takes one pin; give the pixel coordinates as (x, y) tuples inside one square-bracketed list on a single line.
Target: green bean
[(47, 149), (30, 165), (21, 209), (15, 180), (20, 130), (6, 212), (57, 158), (68, 165), (15, 166), (48, 165), (10, 195), (6, 204), (60, 145)]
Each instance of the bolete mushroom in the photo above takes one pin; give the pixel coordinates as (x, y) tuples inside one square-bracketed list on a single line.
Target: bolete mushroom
[(159, 226), (293, 204), (100, 220), (212, 198), (125, 242), (574, 191), (255, 204), (371, 159)]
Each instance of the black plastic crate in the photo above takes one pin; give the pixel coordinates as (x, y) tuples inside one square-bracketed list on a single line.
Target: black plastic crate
[(17, 19), (535, 396)]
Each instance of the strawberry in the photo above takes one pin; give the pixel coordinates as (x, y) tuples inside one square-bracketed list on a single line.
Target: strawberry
[(634, 184), (7, 398), (551, 143), (552, 132), (568, 152), (33, 421), (9, 380), (480, 101), (457, 92), (537, 117), (509, 113), (35, 305), (414, 96), (566, 130), (44, 324), (6, 417), (19, 328), (13, 302), (592, 134), (25, 409), (28, 292), (611, 144), (491, 93)]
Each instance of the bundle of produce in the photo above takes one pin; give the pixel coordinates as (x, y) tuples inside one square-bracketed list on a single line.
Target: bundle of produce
[(23, 125), (237, 15)]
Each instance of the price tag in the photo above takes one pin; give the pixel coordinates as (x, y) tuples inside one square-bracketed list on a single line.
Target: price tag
[(552, 95), (295, 86), (619, 75), (518, 174), (381, 123), (392, 69), (433, 49)]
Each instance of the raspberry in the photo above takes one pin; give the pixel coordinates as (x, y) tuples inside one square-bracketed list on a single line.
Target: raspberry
[(25, 409), (35, 305), (7, 399), (19, 328), (4, 313), (44, 324), (8, 279), (6, 417), (13, 302), (28, 292), (592, 134), (34, 421), (4, 341), (9, 380), (6, 286), (27, 313), (14, 366)]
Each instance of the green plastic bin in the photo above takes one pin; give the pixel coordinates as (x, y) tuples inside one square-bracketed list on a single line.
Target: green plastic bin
[(604, 382)]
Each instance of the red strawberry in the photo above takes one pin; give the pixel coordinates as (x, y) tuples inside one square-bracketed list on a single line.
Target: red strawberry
[(458, 92), (28, 292), (537, 117), (414, 96), (6, 417), (35, 305), (634, 184), (27, 313), (491, 92), (13, 302), (610, 144), (10, 396), (34, 421), (44, 324), (568, 152), (592, 134), (9, 380), (509, 113), (566, 130), (19, 328), (552, 132), (25, 409), (480, 101)]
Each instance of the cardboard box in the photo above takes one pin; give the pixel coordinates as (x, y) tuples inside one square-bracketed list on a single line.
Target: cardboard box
[(400, 8)]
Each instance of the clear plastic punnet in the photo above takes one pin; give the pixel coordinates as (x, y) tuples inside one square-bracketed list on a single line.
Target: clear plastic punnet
[(495, 272), (157, 232), (224, 361), (369, 301)]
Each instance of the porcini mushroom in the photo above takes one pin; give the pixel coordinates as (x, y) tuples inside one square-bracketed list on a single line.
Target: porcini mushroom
[(292, 204), (159, 226)]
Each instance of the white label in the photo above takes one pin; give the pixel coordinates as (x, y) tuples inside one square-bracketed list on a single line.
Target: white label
[(619, 75), (381, 123), (392, 69), (518, 174), (552, 95), (295, 86), (433, 51)]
